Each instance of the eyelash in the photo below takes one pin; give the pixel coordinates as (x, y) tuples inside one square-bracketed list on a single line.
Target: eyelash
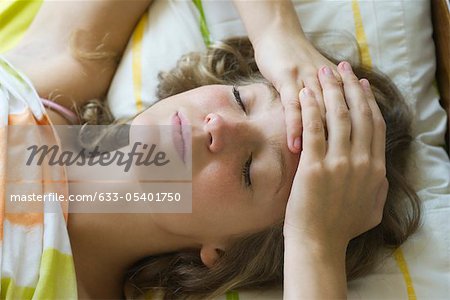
[(246, 172), (246, 167), (237, 97)]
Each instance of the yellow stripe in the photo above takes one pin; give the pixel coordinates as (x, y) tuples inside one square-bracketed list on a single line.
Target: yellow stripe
[(364, 52), (366, 61), (136, 50), (403, 266)]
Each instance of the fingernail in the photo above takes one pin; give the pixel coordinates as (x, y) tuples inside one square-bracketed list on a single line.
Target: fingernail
[(346, 66), (306, 92), (297, 143), (365, 83), (327, 71), (303, 92)]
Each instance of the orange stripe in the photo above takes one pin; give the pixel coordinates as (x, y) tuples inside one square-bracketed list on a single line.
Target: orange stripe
[(27, 118), (24, 118), (30, 219), (136, 50), (25, 219)]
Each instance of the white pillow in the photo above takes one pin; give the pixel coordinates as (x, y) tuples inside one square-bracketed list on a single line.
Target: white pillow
[(396, 38)]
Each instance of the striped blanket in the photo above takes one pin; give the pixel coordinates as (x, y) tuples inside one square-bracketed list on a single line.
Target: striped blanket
[(35, 255)]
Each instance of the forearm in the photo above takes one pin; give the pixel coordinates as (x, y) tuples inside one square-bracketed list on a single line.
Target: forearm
[(259, 17), (46, 52), (313, 272)]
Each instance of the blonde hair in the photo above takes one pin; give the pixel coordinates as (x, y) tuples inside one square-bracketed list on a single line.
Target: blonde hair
[(256, 260)]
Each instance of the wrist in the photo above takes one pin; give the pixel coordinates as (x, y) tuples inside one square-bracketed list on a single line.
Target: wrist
[(276, 33), (321, 244), (313, 269)]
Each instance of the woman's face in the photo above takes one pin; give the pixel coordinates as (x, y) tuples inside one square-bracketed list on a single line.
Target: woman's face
[(242, 170)]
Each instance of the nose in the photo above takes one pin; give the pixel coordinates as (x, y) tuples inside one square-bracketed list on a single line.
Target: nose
[(218, 130)]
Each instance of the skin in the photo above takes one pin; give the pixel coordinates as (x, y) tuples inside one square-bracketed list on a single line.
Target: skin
[(223, 207)]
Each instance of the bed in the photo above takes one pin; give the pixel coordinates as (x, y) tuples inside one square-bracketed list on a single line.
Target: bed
[(407, 40)]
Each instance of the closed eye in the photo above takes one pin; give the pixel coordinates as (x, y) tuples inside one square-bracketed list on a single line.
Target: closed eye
[(246, 172), (237, 97), (246, 168)]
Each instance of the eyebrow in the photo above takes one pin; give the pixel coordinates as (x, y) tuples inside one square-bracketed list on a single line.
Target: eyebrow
[(274, 95), (275, 146)]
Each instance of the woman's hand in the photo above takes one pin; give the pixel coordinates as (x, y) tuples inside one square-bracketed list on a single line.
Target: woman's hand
[(291, 62), (340, 186), (284, 56)]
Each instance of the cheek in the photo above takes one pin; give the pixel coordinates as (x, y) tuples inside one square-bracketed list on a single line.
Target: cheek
[(215, 186), (217, 201)]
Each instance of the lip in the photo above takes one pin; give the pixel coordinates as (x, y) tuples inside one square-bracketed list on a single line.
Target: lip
[(180, 134)]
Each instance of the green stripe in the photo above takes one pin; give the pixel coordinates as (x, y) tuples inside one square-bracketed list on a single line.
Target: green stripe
[(203, 25), (12, 291), (232, 295), (15, 18), (57, 279)]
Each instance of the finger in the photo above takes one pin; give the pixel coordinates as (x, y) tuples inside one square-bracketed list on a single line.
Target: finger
[(337, 114), (314, 144), (313, 84), (293, 117), (379, 125), (360, 111)]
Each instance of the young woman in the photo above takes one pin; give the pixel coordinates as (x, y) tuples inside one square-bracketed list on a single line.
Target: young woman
[(241, 233), (236, 237)]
